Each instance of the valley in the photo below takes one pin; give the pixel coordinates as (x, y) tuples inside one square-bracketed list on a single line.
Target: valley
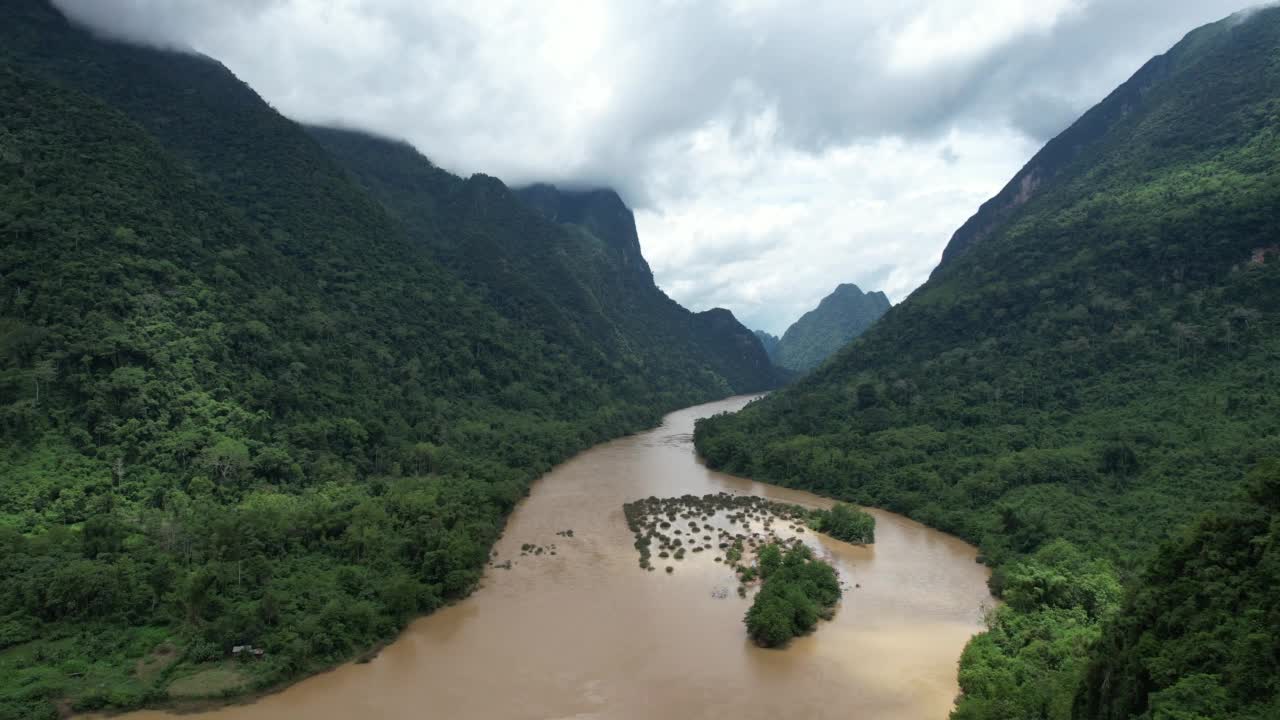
[(587, 633), (295, 422)]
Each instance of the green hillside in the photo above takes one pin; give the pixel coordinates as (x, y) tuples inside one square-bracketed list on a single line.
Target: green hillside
[(571, 267), (839, 318), (1197, 638), (1077, 383), (244, 403), (770, 343)]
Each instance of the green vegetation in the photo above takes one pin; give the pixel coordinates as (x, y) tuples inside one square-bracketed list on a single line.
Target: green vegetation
[(841, 316), (577, 278), (845, 522), (770, 344), (243, 402), (1075, 385), (798, 589), (1029, 661), (747, 521), (1199, 636)]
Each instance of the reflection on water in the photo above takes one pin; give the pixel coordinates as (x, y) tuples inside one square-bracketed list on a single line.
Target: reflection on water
[(586, 633)]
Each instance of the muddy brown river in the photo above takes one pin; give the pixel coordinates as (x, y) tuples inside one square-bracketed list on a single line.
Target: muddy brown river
[(586, 633)]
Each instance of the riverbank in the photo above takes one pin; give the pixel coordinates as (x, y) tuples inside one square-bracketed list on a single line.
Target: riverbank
[(586, 632)]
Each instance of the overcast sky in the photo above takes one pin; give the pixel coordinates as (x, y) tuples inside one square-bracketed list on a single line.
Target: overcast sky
[(772, 149)]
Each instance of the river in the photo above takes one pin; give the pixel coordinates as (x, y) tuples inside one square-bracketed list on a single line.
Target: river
[(585, 633)]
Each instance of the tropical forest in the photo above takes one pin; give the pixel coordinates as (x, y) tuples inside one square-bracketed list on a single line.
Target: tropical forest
[(322, 397)]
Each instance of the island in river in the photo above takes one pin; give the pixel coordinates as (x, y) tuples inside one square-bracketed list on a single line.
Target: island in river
[(584, 633), (798, 588)]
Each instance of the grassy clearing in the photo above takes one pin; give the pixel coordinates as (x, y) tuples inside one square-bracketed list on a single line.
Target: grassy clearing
[(213, 682)]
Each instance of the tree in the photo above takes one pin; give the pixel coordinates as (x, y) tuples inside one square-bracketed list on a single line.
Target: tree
[(43, 372), (227, 458), (769, 621), (797, 591), (848, 523), (769, 559)]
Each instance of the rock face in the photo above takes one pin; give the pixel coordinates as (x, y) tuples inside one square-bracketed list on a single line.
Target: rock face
[(841, 316)]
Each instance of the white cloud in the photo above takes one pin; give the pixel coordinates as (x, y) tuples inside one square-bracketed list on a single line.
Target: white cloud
[(771, 230), (773, 149), (952, 32)]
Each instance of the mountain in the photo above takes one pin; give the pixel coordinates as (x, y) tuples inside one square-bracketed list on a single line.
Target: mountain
[(248, 398), (1088, 135), (600, 211), (729, 346), (1073, 387), (566, 263), (841, 316), (770, 343)]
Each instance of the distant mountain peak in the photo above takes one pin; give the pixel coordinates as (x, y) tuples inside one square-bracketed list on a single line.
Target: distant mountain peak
[(850, 290), (839, 318)]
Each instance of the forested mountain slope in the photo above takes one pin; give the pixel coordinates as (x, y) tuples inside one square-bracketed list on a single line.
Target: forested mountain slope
[(1075, 387), (566, 263), (242, 403), (734, 350), (1197, 638), (770, 343), (839, 318), (1086, 136)]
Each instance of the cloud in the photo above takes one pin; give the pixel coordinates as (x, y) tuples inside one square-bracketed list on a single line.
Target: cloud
[(772, 150), (771, 238)]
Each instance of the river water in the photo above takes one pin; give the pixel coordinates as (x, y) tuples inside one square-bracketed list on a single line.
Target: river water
[(585, 633)]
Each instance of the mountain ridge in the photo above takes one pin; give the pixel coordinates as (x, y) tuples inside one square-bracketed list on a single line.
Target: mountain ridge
[(587, 253), (1062, 150), (1090, 369), (245, 400)]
